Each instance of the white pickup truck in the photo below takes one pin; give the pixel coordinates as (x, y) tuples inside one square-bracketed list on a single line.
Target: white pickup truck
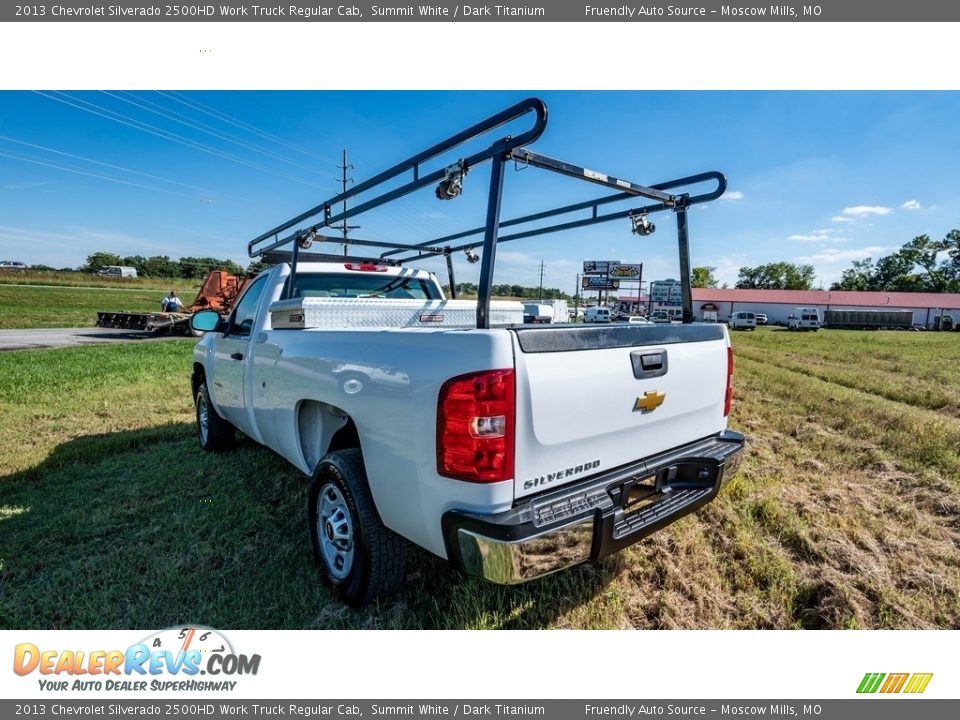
[(511, 450)]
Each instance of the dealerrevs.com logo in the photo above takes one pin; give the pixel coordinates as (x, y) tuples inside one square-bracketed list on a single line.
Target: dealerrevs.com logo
[(892, 683), (169, 660)]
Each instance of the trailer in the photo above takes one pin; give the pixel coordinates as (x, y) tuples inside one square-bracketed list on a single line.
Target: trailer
[(868, 319), (218, 292)]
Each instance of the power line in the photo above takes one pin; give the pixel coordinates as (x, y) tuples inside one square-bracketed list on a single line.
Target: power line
[(393, 214), (165, 134), (236, 122), (78, 171), (203, 127), (109, 165)]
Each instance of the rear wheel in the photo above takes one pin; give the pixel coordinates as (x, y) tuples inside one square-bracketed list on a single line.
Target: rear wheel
[(214, 433), (362, 559)]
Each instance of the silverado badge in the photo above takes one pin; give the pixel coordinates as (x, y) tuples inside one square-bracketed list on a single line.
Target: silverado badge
[(650, 401)]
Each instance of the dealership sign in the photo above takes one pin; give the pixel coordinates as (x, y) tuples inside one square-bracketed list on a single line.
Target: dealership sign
[(666, 292), (601, 282)]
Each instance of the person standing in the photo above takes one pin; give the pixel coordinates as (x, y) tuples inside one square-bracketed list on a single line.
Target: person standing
[(171, 303)]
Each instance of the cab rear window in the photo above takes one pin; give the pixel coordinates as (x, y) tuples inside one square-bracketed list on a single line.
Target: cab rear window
[(364, 285)]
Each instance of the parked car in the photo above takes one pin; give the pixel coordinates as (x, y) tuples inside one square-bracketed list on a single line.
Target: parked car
[(117, 271), (13, 266), (743, 320), (761, 319), (637, 320)]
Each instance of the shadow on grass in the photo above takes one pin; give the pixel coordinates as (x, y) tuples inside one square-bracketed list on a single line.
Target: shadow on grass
[(141, 529)]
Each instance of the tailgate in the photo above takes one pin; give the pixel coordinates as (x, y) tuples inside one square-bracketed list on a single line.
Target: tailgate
[(591, 399)]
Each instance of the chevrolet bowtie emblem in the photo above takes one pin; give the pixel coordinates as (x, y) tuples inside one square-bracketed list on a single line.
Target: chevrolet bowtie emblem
[(650, 401)]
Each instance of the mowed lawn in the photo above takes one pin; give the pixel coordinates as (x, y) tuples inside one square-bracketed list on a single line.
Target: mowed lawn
[(845, 514), (43, 300)]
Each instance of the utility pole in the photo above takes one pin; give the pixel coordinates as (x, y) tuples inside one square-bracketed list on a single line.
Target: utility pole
[(576, 298), (540, 295), (343, 225)]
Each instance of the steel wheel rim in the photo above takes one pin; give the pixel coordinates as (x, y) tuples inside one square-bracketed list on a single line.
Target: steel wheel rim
[(335, 531), (203, 417)]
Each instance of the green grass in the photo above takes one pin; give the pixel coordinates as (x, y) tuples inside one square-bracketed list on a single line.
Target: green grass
[(845, 512), (41, 307), (82, 279)]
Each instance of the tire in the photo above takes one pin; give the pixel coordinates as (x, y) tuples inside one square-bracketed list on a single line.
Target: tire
[(214, 433), (362, 559)]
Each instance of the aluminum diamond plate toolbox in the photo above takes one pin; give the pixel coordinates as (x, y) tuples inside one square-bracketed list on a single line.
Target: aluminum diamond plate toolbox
[(312, 312)]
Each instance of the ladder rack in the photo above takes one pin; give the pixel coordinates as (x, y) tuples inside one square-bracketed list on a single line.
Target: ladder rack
[(448, 180)]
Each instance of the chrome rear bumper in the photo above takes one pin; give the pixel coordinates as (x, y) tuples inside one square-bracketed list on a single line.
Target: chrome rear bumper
[(588, 521)]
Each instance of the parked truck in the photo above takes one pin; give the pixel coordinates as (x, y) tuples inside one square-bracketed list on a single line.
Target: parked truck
[(449, 423), (868, 319)]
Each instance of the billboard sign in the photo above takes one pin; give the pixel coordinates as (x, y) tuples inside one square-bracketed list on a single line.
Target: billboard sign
[(600, 283), (626, 272), (666, 292), (598, 267)]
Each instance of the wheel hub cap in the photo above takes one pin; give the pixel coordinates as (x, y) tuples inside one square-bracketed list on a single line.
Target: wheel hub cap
[(335, 531)]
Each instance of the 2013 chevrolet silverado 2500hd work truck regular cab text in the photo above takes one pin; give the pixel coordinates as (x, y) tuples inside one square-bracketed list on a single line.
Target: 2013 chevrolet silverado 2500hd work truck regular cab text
[(511, 450)]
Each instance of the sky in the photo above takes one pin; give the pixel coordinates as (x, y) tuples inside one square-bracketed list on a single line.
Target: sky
[(823, 178)]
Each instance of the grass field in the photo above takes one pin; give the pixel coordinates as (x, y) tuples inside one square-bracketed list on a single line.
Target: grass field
[(845, 514), (56, 306), (81, 279)]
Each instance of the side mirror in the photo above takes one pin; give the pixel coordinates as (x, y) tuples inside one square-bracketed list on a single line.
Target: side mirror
[(205, 321)]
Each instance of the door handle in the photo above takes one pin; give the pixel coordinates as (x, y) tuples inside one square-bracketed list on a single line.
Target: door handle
[(236, 356)]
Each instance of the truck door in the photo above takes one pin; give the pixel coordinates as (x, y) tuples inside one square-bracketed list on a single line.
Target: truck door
[(229, 358)]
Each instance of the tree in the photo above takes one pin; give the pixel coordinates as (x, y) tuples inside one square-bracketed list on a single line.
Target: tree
[(161, 266), (776, 276), (99, 260), (898, 272), (256, 267), (702, 277)]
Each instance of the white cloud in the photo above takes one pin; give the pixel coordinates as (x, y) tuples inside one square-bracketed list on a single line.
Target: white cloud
[(911, 205), (27, 185), (819, 236), (861, 210), (832, 255), (732, 195), (841, 219)]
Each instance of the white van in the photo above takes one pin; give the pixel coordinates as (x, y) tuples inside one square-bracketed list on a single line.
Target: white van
[(804, 319), (743, 320), (597, 315), (117, 271)]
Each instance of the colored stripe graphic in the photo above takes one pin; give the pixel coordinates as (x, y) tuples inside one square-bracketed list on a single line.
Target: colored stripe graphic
[(918, 683), (870, 682), (894, 683)]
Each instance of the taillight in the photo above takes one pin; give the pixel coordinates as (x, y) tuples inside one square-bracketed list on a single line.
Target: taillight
[(729, 399), (475, 427), (365, 267)]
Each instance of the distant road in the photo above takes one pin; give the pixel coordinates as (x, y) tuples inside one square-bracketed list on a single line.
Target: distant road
[(69, 337)]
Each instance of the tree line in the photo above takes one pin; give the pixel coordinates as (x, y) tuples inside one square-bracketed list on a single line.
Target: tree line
[(518, 291), (921, 265), (162, 266)]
